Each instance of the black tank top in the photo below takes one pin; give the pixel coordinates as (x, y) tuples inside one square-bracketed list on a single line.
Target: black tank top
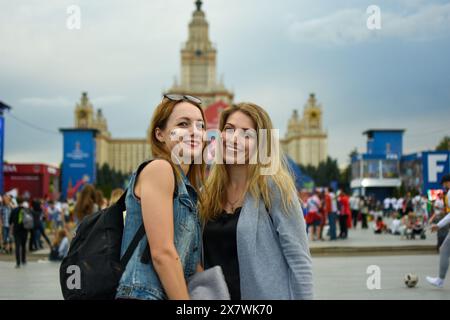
[(220, 248)]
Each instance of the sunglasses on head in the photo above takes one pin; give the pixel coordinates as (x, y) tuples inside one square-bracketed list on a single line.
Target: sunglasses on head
[(181, 97)]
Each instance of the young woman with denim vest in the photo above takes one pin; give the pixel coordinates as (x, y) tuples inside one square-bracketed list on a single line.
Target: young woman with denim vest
[(253, 222), (163, 196)]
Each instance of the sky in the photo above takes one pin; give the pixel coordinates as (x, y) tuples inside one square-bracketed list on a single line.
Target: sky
[(273, 53)]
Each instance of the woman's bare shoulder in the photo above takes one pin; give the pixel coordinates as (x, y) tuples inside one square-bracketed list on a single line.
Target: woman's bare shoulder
[(158, 173)]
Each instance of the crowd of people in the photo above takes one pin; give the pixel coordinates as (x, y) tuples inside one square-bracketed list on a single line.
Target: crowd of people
[(325, 211), (26, 223)]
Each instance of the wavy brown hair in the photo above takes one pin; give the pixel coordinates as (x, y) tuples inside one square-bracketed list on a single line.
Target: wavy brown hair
[(86, 200), (196, 174)]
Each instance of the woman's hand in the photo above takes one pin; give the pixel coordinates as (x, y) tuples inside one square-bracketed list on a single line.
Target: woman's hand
[(199, 268), (434, 228)]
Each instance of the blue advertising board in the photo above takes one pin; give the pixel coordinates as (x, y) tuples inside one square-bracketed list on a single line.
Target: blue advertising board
[(79, 160), (385, 141), (435, 165)]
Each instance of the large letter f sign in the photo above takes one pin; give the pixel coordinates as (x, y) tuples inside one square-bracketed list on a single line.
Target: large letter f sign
[(434, 168)]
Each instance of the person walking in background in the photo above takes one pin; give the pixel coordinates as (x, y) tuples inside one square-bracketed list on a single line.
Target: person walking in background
[(354, 207), (386, 207), (5, 213), (59, 216), (39, 216), (331, 207), (16, 221), (313, 218), (363, 204), (36, 214), (399, 206), (444, 250), (344, 215), (323, 215)]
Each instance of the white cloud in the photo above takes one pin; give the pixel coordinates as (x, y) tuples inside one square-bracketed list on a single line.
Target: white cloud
[(55, 102), (58, 102), (349, 26), (340, 27), (104, 101), (428, 23)]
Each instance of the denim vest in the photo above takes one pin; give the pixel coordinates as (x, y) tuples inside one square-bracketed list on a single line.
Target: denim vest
[(140, 280)]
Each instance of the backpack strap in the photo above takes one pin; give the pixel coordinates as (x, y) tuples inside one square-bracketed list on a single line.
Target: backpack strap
[(121, 201), (141, 231), (146, 257), (132, 247)]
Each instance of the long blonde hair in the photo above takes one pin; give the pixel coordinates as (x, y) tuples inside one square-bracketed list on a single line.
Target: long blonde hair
[(215, 186), (196, 174)]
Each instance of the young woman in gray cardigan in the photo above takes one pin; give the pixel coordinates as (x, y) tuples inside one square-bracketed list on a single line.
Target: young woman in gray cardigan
[(253, 222)]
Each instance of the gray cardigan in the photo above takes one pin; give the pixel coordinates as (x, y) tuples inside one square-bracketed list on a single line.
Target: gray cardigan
[(273, 252)]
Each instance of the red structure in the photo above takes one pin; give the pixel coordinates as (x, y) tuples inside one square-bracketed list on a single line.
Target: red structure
[(212, 114), (34, 180)]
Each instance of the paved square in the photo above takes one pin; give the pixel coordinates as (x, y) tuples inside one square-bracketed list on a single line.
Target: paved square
[(334, 277)]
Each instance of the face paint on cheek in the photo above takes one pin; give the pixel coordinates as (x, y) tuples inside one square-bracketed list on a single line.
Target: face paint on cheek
[(178, 134)]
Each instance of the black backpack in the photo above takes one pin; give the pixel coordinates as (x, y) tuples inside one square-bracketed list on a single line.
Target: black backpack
[(92, 268)]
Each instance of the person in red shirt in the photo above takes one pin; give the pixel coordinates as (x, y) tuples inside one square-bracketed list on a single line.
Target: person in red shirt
[(344, 215), (380, 226), (313, 217)]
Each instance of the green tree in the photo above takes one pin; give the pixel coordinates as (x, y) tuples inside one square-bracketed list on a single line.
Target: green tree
[(109, 179), (444, 145), (326, 172), (346, 175)]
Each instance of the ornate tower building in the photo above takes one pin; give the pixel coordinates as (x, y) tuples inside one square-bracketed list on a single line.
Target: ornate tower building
[(198, 64), (84, 113), (306, 141)]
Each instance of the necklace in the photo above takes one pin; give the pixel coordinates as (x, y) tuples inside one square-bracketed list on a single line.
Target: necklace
[(233, 204)]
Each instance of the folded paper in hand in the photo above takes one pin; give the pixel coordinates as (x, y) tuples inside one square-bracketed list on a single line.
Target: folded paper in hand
[(208, 285)]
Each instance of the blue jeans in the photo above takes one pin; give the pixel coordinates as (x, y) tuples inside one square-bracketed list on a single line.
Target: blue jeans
[(5, 233), (332, 222)]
